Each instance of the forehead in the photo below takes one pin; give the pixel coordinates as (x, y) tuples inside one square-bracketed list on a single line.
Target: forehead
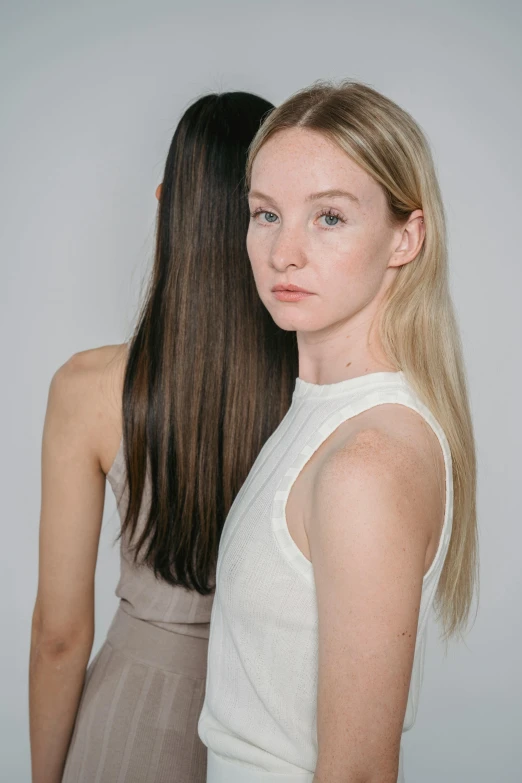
[(304, 161)]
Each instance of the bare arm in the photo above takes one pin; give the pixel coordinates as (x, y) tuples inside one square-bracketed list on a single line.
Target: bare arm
[(73, 489), (372, 517)]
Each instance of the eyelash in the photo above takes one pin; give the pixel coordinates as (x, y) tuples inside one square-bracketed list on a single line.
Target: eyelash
[(260, 211), (328, 212)]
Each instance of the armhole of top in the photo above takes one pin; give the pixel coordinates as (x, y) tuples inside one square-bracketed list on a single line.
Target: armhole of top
[(115, 473), (403, 397)]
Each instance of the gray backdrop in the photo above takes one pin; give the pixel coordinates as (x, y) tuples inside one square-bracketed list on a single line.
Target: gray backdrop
[(91, 93)]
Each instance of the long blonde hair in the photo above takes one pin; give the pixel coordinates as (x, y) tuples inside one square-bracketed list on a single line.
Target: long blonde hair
[(418, 328)]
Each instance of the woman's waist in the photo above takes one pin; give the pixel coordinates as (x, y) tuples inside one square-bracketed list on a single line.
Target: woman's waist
[(177, 625), (146, 642), (171, 607)]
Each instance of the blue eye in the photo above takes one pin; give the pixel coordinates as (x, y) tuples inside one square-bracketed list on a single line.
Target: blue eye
[(270, 217), (331, 220)]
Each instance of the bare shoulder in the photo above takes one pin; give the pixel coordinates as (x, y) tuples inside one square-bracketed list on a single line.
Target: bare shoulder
[(90, 379), (387, 461), (85, 399), (388, 440), (95, 361)]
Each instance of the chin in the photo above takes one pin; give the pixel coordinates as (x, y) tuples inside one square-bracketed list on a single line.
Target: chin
[(285, 325), (292, 321)]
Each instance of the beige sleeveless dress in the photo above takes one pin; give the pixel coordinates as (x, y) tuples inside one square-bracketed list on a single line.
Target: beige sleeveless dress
[(137, 721)]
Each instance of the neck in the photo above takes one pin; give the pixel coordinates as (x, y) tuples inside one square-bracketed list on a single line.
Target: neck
[(343, 351)]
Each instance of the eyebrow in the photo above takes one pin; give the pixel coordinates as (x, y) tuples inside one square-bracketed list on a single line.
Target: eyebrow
[(311, 197), (261, 196), (333, 194)]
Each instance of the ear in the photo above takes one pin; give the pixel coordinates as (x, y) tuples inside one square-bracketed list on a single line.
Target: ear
[(158, 191), (409, 239)]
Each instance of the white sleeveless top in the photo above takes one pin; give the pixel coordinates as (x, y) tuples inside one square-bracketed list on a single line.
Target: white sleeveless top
[(259, 716)]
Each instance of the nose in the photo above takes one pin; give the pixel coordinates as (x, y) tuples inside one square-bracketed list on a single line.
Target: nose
[(287, 250)]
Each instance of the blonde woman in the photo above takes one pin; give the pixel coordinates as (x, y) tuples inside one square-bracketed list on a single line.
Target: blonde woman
[(359, 513)]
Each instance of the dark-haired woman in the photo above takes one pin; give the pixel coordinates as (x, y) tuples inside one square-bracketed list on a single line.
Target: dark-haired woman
[(174, 421)]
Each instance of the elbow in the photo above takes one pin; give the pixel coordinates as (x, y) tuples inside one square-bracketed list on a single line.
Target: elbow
[(58, 648), (58, 642)]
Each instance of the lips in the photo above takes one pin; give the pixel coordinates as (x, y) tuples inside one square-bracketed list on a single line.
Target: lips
[(287, 292), (289, 287)]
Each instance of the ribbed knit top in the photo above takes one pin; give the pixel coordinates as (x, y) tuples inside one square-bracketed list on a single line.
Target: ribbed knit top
[(141, 594), (260, 707)]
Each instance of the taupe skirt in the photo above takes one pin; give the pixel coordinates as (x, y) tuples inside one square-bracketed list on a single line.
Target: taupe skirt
[(138, 716)]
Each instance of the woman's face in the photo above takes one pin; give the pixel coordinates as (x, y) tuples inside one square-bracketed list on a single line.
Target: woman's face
[(319, 223)]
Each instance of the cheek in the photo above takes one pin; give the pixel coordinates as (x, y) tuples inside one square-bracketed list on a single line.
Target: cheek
[(348, 257), (250, 243), (355, 267), (257, 249), (257, 254)]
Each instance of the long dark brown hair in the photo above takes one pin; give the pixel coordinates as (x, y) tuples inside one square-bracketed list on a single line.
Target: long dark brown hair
[(209, 376)]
